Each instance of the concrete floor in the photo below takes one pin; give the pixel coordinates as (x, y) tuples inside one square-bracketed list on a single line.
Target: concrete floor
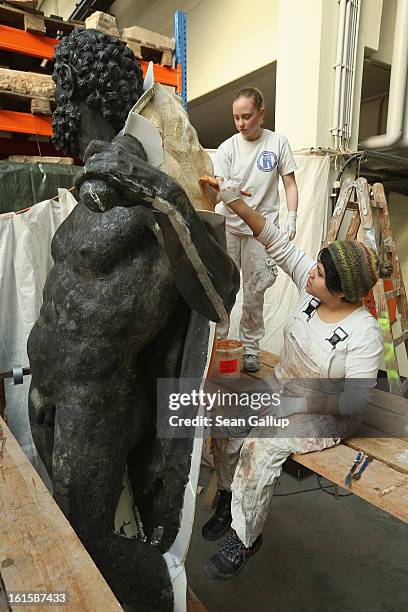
[(318, 553)]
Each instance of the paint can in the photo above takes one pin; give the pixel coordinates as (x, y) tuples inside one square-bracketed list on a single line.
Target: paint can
[(228, 358)]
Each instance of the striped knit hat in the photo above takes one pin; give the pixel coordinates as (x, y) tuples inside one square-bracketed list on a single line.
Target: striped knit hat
[(357, 265)]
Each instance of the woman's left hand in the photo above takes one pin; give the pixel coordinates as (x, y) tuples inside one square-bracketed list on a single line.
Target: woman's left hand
[(290, 226)]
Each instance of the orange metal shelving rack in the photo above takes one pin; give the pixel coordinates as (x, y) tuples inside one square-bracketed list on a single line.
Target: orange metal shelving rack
[(19, 41)]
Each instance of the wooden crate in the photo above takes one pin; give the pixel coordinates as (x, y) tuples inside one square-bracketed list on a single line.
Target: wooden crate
[(149, 45)]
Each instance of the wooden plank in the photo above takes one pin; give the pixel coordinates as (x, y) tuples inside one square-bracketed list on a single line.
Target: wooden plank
[(391, 451), (380, 484), (39, 550), (339, 211), (269, 359), (41, 106), (265, 372), (37, 159), (27, 83), (14, 17), (147, 38), (102, 22), (354, 226), (391, 402), (24, 4), (34, 24)]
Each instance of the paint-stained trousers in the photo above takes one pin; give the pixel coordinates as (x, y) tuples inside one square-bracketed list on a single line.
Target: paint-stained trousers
[(249, 468), (259, 272)]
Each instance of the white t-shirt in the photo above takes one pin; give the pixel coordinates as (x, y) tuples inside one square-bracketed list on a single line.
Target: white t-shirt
[(256, 166)]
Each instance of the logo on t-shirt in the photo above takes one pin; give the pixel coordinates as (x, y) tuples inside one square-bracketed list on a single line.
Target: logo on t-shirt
[(267, 161)]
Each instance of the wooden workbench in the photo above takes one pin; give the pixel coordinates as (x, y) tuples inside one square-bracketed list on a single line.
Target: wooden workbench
[(39, 550), (385, 481)]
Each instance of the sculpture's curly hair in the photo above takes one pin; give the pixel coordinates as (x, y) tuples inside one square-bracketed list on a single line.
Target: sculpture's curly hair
[(104, 72)]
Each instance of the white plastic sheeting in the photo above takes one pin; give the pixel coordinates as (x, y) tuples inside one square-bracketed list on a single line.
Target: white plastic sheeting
[(25, 260), (312, 177)]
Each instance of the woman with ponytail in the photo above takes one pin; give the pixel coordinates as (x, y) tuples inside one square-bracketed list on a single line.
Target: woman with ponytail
[(256, 157)]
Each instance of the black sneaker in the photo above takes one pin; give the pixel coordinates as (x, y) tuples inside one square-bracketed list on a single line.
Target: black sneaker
[(220, 522), (231, 558)]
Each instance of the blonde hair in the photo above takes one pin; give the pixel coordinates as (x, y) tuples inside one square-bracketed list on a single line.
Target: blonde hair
[(253, 94)]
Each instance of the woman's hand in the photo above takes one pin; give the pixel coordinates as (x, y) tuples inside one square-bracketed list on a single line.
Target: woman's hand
[(229, 191), (290, 226)]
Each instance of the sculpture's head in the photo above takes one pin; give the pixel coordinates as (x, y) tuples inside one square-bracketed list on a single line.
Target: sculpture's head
[(95, 75)]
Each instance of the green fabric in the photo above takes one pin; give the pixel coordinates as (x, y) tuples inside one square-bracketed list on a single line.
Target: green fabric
[(22, 185)]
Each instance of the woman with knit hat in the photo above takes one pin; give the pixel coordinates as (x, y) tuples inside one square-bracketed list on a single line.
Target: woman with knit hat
[(330, 338)]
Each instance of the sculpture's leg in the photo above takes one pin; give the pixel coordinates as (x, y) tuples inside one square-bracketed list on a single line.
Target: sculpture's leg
[(88, 467), (42, 416)]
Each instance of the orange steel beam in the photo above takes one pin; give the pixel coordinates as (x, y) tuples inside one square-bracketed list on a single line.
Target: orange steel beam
[(11, 121), (19, 41), (164, 74)]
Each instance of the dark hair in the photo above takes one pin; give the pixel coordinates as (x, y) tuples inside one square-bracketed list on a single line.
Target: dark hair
[(103, 71), (254, 94), (333, 282)]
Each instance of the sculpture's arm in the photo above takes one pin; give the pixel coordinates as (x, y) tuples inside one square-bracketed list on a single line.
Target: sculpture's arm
[(204, 274)]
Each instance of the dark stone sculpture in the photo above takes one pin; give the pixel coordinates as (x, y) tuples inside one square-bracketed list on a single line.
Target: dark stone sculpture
[(119, 312)]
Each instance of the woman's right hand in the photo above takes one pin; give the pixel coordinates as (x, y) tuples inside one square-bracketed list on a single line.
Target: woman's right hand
[(229, 190)]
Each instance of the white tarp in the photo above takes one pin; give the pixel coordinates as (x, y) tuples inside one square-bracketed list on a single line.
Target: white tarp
[(312, 177), (25, 260)]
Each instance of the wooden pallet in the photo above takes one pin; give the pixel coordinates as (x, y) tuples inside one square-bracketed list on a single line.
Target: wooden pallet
[(25, 5), (25, 103), (149, 45), (36, 21)]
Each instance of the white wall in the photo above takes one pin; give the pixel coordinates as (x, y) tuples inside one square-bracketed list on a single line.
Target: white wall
[(307, 36), (225, 39)]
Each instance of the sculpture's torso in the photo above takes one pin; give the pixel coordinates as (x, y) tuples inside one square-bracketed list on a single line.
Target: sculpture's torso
[(109, 292)]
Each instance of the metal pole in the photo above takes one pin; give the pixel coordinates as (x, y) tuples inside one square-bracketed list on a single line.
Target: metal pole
[(180, 34)]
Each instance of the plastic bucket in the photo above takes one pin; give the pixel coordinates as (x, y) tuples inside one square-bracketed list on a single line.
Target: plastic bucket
[(228, 358)]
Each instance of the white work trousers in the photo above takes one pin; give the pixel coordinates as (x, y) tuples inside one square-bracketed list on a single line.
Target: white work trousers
[(259, 272), (249, 468)]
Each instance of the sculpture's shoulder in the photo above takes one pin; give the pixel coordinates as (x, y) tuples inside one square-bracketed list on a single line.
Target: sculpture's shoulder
[(101, 237)]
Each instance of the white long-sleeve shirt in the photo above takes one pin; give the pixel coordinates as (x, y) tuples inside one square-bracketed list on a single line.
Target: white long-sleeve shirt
[(356, 357)]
